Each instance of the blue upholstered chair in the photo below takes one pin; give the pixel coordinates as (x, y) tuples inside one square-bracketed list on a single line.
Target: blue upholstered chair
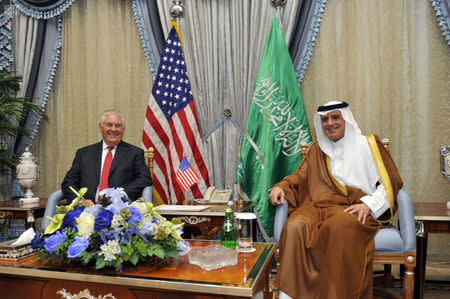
[(57, 196), (392, 245)]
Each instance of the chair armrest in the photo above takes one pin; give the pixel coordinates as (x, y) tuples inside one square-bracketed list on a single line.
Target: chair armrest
[(147, 194), (50, 208), (281, 216), (406, 220)]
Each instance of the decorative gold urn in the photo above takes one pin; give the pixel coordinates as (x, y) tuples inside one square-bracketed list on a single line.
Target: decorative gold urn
[(27, 174)]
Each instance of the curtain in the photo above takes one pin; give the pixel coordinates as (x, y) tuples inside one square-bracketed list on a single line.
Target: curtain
[(43, 69), (25, 37), (307, 23), (390, 62), (223, 44), (102, 67), (43, 9), (150, 31)]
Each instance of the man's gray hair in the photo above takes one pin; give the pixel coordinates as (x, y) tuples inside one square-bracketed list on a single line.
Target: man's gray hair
[(111, 111)]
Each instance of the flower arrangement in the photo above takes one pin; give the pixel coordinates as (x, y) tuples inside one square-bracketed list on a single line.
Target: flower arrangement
[(110, 233)]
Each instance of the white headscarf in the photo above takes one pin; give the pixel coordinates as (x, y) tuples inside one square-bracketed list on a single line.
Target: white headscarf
[(351, 161)]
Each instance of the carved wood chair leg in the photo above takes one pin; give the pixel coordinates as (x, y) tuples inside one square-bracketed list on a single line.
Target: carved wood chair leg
[(408, 283)]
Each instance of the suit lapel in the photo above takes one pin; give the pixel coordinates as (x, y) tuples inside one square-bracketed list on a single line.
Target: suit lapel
[(97, 158), (117, 157)]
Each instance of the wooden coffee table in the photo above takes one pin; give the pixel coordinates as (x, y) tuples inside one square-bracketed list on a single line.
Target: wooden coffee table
[(178, 280), (13, 209), (430, 217)]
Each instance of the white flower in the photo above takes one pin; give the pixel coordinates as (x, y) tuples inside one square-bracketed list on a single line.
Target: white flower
[(117, 223), (85, 224), (110, 250), (140, 205)]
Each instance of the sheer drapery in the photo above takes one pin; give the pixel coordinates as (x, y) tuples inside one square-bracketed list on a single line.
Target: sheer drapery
[(25, 36), (102, 67), (390, 62), (223, 43)]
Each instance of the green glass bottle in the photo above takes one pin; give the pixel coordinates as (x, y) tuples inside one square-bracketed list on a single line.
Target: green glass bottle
[(228, 232)]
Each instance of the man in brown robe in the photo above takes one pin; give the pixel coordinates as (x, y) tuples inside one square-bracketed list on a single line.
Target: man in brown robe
[(341, 194)]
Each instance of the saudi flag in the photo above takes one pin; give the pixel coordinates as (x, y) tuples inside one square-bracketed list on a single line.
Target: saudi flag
[(277, 123)]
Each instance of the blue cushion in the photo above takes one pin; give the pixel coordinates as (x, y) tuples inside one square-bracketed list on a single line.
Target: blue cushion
[(388, 240)]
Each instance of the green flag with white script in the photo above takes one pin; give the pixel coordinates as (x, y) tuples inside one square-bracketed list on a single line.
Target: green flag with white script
[(277, 123)]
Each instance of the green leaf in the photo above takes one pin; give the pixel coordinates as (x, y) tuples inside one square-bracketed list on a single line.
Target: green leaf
[(172, 252), (134, 259), (141, 247), (100, 263), (157, 250), (86, 256), (127, 251)]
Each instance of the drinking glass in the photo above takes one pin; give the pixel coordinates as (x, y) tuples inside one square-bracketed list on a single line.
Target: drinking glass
[(244, 226)]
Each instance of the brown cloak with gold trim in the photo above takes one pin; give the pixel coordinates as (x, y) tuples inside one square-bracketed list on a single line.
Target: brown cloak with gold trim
[(326, 252)]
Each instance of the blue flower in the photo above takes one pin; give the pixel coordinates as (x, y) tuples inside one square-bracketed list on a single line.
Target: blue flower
[(117, 205), (94, 210), (115, 195), (69, 219), (147, 228), (126, 238), (37, 242), (77, 247), (109, 235), (183, 246), (52, 242), (136, 215), (103, 220)]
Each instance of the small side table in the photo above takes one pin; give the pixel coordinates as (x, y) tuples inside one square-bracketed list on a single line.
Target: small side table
[(430, 217), (208, 221), (13, 209)]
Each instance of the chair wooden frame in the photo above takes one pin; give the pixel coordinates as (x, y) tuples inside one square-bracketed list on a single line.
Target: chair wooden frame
[(150, 159)]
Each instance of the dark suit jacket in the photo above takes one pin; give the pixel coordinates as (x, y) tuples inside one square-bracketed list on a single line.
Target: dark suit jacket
[(128, 170)]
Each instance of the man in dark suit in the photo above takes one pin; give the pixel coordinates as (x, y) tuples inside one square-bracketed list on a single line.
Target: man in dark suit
[(125, 162)]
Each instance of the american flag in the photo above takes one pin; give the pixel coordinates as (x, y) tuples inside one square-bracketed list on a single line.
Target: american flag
[(186, 175), (171, 126)]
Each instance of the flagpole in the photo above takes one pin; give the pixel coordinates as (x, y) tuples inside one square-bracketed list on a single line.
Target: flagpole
[(185, 201)]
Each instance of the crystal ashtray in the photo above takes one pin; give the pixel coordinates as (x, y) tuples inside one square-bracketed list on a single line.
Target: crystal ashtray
[(213, 257)]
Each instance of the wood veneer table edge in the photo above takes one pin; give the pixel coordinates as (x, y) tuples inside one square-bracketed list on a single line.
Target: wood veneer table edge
[(130, 282), (148, 283)]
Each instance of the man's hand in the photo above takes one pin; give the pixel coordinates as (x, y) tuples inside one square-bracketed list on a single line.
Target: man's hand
[(276, 196), (86, 203), (361, 209)]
